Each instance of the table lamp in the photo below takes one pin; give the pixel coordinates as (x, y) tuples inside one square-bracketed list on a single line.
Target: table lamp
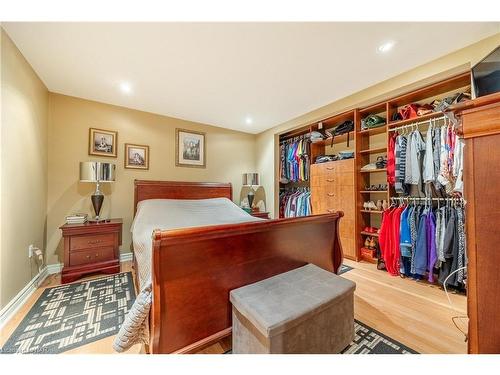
[(94, 171), (250, 179)]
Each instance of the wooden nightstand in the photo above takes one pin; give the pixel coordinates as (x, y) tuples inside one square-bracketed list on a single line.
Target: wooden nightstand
[(91, 248), (261, 214)]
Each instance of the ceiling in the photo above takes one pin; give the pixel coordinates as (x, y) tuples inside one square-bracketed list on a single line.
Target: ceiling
[(243, 76)]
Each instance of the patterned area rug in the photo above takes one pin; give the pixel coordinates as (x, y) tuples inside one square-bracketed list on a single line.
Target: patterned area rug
[(370, 341), (345, 268), (73, 315)]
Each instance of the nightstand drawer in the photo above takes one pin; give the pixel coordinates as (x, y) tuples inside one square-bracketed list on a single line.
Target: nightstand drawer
[(89, 242), (91, 256)]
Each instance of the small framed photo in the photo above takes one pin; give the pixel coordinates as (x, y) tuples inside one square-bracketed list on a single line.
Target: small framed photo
[(190, 149), (102, 142), (136, 156)]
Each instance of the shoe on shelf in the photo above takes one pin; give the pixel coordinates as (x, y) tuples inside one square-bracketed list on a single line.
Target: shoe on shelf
[(381, 162), (372, 205), (367, 241), (373, 243), (369, 167), (385, 205), (379, 205)]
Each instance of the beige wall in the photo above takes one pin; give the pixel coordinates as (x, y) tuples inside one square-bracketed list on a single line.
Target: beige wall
[(229, 154), (24, 102), (456, 62)]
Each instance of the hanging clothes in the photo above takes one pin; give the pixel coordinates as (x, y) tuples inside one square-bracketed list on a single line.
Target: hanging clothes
[(436, 151), (430, 166), (420, 240), (400, 165), (294, 160), (391, 162), (405, 242), (458, 166), (294, 203), (389, 239), (414, 163)]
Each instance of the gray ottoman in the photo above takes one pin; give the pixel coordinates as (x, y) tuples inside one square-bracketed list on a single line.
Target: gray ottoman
[(306, 310)]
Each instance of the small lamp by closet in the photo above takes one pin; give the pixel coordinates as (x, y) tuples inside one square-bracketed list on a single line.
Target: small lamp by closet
[(97, 172), (251, 179)]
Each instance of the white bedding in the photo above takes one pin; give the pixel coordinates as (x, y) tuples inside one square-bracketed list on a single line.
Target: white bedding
[(175, 214), (166, 214)]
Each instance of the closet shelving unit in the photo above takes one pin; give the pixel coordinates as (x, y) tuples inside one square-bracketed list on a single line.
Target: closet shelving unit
[(288, 136), (324, 147), (372, 143), (335, 144)]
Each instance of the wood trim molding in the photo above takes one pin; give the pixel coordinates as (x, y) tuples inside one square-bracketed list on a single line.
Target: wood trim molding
[(22, 297), (149, 189), (206, 342)]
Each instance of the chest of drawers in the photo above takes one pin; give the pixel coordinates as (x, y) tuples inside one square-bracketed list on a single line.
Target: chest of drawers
[(91, 248), (333, 189)]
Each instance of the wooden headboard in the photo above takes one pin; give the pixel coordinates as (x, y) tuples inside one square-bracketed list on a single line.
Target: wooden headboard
[(145, 189)]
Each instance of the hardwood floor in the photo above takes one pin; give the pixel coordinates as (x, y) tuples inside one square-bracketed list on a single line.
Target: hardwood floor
[(415, 313)]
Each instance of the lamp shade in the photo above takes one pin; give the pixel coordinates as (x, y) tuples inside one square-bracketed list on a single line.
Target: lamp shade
[(95, 171), (250, 179)]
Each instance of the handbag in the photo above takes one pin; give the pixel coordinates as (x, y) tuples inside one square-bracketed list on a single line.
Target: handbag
[(346, 127), (396, 117), (409, 111), (425, 109)]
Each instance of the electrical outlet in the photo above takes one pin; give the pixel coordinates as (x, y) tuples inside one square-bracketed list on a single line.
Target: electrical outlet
[(31, 248)]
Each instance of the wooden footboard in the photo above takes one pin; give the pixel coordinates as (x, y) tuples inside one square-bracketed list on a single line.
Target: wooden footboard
[(194, 270)]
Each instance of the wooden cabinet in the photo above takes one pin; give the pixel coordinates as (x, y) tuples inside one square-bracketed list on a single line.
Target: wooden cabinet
[(481, 128), (333, 189), (91, 248)]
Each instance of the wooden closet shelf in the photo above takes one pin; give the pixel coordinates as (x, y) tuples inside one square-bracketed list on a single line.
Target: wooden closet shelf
[(369, 234), (378, 108), (373, 191), (374, 150), (374, 170), (374, 131), (337, 139), (372, 211)]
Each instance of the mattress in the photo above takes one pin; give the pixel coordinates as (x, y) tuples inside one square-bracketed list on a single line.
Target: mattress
[(165, 214)]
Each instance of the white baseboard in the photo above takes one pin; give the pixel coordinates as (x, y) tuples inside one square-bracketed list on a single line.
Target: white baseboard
[(20, 299), (54, 268), (126, 257)]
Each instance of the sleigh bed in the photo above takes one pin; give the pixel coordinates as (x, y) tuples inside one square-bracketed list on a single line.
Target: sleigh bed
[(193, 269)]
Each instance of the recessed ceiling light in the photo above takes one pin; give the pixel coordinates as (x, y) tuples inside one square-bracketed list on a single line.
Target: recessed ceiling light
[(386, 47), (248, 121), (125, 87)]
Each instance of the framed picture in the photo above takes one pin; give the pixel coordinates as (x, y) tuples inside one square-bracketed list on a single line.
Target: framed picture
[(136, 156), (189, 149), (102, 142)]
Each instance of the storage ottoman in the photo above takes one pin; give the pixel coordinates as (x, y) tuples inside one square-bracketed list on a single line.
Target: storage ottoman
[(306, 310)]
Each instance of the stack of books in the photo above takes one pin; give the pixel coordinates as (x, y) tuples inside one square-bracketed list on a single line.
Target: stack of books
[(76, 219)]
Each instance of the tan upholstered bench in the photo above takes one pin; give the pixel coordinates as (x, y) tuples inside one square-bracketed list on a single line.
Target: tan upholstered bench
[(306, 310)]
